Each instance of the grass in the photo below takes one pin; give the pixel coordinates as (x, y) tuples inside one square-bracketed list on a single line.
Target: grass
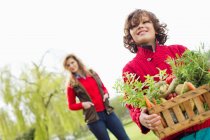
[(133, 132)]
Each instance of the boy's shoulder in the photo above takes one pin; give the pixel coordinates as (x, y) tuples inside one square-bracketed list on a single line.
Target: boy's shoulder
[(176, 46)]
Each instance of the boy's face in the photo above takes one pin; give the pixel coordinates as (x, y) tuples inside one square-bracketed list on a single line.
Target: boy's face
[(144, 32)]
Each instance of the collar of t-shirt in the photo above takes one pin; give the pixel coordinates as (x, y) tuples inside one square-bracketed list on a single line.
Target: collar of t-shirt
[(77, 76)]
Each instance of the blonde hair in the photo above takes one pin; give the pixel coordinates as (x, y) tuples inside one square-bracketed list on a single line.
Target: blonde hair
[(73, 81)]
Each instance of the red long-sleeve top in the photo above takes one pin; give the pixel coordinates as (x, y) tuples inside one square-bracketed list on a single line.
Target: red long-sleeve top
[(141, 66), (89, 83)]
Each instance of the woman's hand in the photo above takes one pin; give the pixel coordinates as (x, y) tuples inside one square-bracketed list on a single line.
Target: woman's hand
[(87, 105), (106, 96), (150, 121)]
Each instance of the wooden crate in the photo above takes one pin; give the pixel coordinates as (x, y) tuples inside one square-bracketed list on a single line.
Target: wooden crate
[(178, 113)]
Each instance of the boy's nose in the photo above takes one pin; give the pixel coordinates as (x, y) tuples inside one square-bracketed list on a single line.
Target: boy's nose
[(140, 25)]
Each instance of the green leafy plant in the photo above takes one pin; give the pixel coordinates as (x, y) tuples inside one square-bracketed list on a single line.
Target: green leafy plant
[(134, 90), (192, 67)]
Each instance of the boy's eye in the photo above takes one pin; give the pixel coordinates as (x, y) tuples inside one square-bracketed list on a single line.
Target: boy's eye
[(133, 26), (146, 21)]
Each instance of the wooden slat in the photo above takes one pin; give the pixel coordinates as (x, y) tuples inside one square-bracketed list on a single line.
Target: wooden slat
[(199, 105), (207, 98), (175, 101), (168, 117), (178, 113), (160, 127), (184, 125), (189, 108)]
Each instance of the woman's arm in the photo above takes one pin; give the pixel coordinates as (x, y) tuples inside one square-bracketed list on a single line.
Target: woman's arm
[(106, 94), (102, 85), (72, 100)]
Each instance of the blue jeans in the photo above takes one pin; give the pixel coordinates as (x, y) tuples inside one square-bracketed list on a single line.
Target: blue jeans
[(111, 122)]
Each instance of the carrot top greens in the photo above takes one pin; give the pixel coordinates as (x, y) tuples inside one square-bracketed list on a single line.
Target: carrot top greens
[(134, 91), (192, 67)]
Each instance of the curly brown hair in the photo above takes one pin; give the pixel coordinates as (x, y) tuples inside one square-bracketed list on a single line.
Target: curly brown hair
[(134, 19)]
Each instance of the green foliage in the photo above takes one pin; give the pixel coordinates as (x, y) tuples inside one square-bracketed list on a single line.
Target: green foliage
[(6, 126), (192, 67), (152, 90), (29, 135), (134, 90), (119, 109), (36, 99)]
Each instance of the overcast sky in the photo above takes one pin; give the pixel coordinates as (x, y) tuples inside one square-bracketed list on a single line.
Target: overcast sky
[(92, 29)]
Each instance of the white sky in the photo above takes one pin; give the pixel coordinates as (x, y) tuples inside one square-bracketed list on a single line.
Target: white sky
[(92, 29)]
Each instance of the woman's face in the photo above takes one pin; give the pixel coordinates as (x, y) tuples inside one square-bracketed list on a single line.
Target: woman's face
[(144, 33), (72, 65)]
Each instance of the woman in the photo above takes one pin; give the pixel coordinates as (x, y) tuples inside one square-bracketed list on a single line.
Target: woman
[(145, 36), (93, 96)]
